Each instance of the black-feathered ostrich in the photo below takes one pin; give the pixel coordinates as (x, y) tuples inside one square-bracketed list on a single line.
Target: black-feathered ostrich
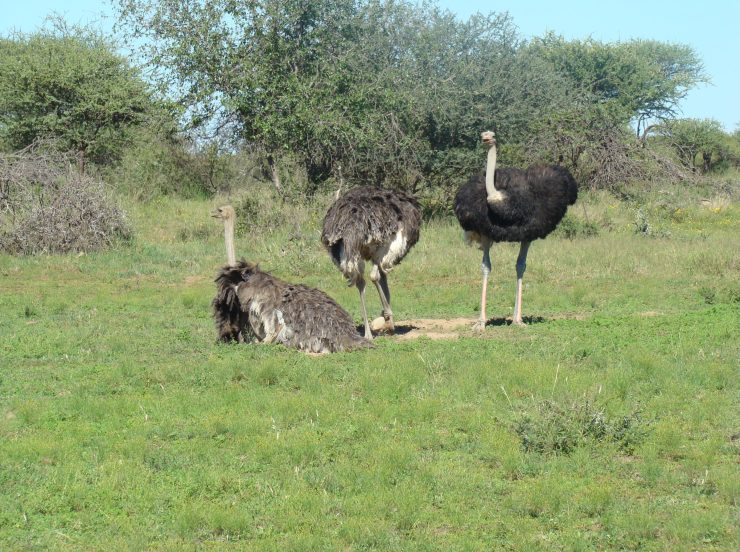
[(512, 205), (376, 225), (252, 304)]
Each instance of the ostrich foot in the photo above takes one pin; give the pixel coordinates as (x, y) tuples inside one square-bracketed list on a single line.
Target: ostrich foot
[(479, 325), (517, 322)]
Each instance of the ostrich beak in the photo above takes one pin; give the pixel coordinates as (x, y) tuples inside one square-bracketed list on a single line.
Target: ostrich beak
[(216, 213)]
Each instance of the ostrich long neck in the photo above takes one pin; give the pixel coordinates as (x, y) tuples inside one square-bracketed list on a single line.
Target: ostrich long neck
[(494, 195), (229, 237)]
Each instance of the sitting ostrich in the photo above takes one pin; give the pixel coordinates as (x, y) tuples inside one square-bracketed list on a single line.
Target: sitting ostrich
[(512, 205), (252, 304), (376, 225), (227, 313)]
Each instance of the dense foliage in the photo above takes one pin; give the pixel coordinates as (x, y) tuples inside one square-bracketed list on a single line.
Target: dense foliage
[(373, 91), (68, 84), (395, 92)]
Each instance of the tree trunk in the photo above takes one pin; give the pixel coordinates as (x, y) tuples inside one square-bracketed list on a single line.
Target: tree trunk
[(643, 138), (81, 160), (274, 174)]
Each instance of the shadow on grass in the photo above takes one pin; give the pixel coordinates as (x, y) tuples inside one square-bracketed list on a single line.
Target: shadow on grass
[(400, 329), (507, 321)]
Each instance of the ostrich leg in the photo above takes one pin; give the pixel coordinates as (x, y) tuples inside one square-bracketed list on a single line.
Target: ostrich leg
[(380, 280), (486, 270), (521, 266), (361, 288)]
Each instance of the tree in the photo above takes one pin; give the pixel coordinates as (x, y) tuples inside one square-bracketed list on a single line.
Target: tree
[(68, 84), (638, 80), (260, 66), (377, 90), (691, 137)]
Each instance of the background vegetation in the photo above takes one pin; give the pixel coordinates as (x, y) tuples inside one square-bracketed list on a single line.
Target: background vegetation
[(610, 422)]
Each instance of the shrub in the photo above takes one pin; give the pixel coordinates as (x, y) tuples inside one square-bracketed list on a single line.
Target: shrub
[(161, 165), (49, 207), (553, 429), (571, 227)]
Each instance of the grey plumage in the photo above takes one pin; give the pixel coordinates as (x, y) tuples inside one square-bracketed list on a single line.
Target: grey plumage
[(252, 305), (375, 225), (270, 310)]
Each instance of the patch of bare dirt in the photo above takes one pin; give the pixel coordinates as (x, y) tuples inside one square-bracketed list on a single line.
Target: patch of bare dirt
[(452, 328), (433, 328)]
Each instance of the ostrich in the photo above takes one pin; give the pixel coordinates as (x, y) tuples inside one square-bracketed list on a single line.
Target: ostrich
[(376, 225), (231, 322), (252, 304), (517, 205)]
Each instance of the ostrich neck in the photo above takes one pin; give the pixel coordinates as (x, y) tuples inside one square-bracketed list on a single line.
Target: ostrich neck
[(229, 236), (494, 195)]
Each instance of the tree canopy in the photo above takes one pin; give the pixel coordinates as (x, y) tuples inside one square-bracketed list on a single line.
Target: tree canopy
[(69, 84), (378, 91)]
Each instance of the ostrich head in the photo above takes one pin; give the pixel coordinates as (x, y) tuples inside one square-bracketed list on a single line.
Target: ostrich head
[(224, 213), (228, 215), (488, 138)]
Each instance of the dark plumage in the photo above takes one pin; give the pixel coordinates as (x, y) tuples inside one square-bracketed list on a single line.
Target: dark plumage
[(512, 205), (536, 200), (376, 225), (252, 304), (231, 321)]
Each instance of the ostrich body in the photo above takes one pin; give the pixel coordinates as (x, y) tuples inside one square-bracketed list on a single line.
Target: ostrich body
[(252, 304), (376, 225), (512, 205)]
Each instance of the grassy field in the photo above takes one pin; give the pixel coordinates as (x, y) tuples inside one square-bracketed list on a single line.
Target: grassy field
[(610, 422)]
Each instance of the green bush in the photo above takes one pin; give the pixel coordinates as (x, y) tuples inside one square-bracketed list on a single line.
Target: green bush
[(549, 428), (572, 227)]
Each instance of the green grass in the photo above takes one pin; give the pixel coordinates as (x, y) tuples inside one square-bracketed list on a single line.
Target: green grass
[(608, 424)]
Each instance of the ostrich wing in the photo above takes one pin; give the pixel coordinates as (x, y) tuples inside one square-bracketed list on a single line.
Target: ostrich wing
[(371, 215), (315, 322)]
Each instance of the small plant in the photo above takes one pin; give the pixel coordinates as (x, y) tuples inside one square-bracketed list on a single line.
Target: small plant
[(553, 429), (258, 212), (708, 294), (571, 228), (199, 232), (642, 225), (53, 208)]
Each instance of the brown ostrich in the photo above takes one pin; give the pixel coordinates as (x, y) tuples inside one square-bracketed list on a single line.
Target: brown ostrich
[(512, 205), (376, 225), (253, 305)]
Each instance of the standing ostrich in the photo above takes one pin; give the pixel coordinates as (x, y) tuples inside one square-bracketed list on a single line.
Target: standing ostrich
[(252, 304), (376, 225), (512, 205)]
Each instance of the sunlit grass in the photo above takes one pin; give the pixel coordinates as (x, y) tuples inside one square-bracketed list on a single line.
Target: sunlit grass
[(123, 425)]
